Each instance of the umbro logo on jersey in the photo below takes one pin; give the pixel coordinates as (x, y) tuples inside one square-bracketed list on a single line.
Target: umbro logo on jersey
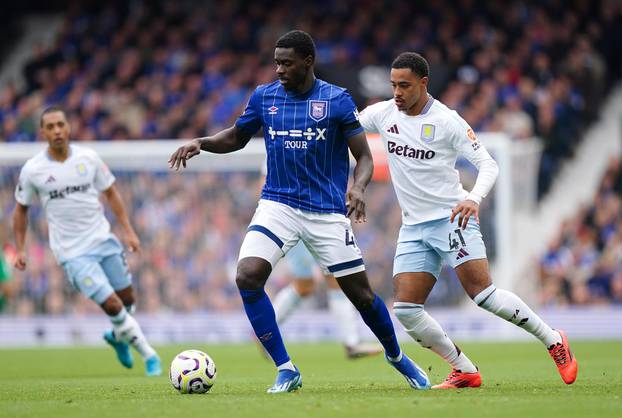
[(461, 254), (272, 110), (50, 179), (393, 129)]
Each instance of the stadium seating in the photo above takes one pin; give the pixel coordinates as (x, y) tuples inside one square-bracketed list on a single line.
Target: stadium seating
[(583, 264), (180, 70)]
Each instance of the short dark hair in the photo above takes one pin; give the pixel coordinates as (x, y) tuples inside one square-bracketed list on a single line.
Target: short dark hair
[(301, 41), (414, 61), (50, 109)]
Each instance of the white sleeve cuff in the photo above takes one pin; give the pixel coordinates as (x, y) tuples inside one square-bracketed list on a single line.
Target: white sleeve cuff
[(475, 198)]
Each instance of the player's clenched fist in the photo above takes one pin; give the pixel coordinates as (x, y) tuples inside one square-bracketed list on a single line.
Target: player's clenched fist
[(183, 154), (20, 261)]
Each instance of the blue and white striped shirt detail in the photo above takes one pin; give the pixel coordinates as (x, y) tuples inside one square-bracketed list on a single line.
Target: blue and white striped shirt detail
[(306, 143)]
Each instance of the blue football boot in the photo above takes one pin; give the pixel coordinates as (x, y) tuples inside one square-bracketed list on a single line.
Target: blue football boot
[(287, 381), (122, 349), (414, 375), (153, 366)]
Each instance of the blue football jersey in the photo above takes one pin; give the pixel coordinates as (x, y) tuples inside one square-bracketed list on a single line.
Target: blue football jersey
[(306, 143)]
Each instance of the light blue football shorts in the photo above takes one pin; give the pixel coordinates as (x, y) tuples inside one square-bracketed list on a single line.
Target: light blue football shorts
[(300, 262), (423, 247), (100, 272)]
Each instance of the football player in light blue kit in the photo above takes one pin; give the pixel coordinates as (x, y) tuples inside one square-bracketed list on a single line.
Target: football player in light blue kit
[(309, 126), (68, 180), (423, 139)]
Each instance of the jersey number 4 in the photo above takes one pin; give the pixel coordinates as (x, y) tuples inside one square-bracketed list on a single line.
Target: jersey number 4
[(454, 244), (349, 239)]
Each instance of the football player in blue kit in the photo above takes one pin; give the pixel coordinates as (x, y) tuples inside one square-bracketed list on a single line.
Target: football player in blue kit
[(309, 126)]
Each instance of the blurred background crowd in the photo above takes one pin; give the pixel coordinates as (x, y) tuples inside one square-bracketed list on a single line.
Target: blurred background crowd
[(583, 264), (191, 228), (180, 69)]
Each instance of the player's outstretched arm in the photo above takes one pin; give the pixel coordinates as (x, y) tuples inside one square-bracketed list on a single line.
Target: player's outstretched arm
[(20, 225), (225, 141), (362, 176), (129, 238)]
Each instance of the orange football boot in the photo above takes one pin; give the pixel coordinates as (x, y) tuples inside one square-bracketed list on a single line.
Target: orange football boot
[(564, 360), (458, 379)]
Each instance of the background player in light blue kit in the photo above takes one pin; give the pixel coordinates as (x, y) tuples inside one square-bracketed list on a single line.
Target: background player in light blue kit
[(68, 180), (309, 126), (302, 271)]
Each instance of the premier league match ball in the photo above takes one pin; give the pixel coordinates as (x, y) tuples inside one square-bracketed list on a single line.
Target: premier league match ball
[(192, 371)]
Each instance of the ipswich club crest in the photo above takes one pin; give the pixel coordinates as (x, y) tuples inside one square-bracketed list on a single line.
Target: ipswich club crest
[(318, 109)]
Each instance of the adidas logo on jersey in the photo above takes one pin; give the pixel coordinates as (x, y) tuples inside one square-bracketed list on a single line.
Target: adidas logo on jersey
[(393, 129), (50, 179), (461, 254)]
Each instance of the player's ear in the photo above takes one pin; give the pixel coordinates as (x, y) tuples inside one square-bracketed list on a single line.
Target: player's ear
[(308, 61), (424, 81)]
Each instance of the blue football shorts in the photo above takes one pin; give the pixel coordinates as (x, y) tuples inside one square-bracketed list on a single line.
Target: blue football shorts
[(100, 272), (423, 247)]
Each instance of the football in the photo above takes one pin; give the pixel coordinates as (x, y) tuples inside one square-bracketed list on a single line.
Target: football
[(192, 371)]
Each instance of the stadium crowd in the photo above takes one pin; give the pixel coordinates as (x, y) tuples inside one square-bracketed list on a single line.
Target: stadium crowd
[(182, 69), (190, 238), (583, 264)]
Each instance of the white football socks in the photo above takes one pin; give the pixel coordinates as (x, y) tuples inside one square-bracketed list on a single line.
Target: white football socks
[(288, 365), (340, 306), (126, 329), (345, 315), (285, 302), (426, 331), (510, 307)]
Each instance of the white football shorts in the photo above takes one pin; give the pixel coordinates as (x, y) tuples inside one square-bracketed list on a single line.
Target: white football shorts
[(276, 228)]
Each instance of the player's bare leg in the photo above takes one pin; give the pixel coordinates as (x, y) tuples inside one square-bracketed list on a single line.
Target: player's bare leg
[(411, 292), (251, 277), (475, 278), (128, 299), (376, 316), (118, 316)]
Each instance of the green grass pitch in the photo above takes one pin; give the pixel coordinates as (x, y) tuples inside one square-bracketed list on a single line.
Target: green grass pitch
[(520, 380)]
